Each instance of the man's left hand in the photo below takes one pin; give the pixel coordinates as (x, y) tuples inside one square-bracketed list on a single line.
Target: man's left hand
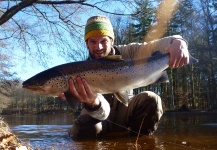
[(179, 55)]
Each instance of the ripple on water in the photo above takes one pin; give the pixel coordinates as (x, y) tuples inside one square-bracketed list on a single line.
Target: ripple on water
[(175, 132)]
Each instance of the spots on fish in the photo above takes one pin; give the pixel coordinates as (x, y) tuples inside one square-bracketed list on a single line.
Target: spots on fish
[(58, 83)]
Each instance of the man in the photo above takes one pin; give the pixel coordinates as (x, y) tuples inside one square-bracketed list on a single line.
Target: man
[(103, 115)]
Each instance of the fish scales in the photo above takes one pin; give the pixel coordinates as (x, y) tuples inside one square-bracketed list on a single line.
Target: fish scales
[(103, 75), (100, 74)]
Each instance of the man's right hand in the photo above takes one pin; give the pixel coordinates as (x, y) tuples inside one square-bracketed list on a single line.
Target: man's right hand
[(82, 91)]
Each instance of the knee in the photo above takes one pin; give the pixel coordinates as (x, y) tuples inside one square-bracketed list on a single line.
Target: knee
[(156, 100), (146, 110), (85, 127), (151, 99)]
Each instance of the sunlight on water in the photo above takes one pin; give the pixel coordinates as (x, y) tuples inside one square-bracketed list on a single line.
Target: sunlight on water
[(42, 135), (210, 124), (175, 132)]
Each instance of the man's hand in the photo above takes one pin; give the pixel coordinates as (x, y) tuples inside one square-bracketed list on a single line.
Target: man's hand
[(179, 55), (81, 90)]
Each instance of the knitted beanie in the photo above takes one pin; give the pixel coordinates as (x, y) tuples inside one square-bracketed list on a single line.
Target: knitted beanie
[(98, 26)]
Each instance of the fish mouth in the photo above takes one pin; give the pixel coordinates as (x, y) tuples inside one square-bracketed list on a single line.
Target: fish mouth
[(28, 87), (33, 89)]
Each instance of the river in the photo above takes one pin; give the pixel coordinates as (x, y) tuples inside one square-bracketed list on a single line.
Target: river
[(176, 131)]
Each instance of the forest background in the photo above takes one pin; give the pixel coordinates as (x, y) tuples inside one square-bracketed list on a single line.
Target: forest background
[(34, 30)]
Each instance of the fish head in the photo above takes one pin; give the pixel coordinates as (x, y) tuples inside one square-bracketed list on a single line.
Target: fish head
[(47, 83)]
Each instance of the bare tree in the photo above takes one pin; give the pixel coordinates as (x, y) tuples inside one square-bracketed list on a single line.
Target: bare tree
[(37, 28), (40, 26)]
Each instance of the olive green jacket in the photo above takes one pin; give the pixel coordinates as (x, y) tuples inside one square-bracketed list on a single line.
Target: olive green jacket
[(131, 51)]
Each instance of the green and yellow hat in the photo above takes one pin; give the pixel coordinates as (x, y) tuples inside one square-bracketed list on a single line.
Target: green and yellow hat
[(98, 26)]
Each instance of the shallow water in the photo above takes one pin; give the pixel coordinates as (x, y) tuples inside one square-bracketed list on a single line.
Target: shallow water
[(177, 131)]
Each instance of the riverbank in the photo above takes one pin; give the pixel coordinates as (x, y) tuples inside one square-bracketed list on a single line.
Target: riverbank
[(8, 140), (196, 112), (34, 112)]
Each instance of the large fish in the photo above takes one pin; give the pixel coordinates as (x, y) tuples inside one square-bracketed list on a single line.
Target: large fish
[(107, 75)]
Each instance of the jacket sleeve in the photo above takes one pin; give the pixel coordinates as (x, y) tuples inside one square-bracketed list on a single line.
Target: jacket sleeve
[(141, 50), (102, 112)]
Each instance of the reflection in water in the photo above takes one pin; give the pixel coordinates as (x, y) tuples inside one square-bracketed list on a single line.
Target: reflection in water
[(177, 131), (60, 119), (42, 134)]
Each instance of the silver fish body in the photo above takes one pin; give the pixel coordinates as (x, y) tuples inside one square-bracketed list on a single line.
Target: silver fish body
[(103, 75)]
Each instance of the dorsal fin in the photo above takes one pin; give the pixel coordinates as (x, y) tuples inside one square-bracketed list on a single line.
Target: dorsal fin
[(122, 96)]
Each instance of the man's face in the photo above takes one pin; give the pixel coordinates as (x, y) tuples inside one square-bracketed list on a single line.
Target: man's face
[(99, 46)]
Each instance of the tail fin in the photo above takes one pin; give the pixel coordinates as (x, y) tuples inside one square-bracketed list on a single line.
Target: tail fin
[(193, 60)]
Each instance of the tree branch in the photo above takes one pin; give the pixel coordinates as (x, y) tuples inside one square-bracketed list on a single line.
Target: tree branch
[(13, 10), (25, 3), (79, 2)]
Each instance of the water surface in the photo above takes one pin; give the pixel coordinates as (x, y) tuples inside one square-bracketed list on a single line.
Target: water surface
[(177, 131)]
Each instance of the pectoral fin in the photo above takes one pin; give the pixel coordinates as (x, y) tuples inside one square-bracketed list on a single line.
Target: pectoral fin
[(71, 99), (163, 78), (123, 97)]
